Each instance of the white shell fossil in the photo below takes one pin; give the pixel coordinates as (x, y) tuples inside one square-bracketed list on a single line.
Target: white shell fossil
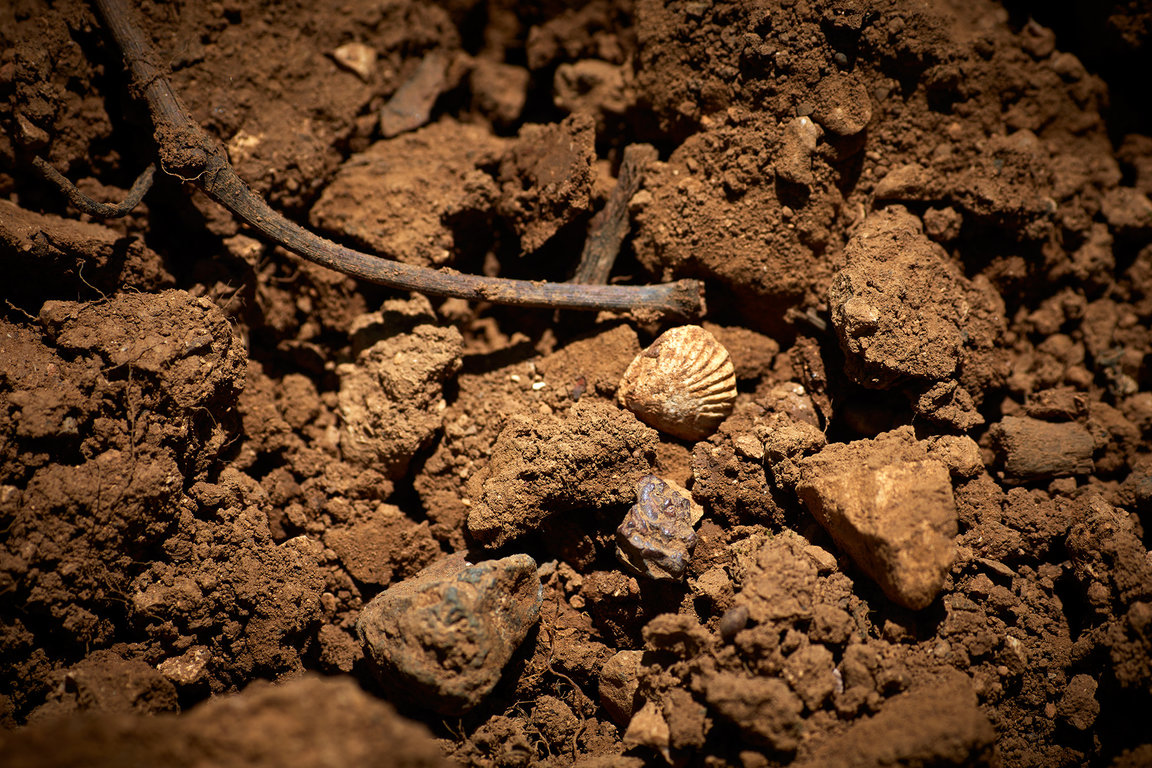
[(683, 384)]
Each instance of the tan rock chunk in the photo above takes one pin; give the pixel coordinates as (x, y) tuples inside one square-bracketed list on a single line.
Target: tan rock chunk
[(890, 507)]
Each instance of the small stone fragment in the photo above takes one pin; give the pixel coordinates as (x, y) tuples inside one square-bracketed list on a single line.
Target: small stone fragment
[(648, 728), (442, 638), (187, 670), (843, 105), (619, 681), (411, 105), (683, 384), (357, 58), (890, 506), (794, 163), (656, 538), (1036, 450), (732, 622)]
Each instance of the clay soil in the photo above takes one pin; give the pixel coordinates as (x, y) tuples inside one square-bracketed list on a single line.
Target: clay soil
[(925, 234)]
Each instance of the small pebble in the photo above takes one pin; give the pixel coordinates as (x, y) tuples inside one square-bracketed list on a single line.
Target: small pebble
[(732, 622)]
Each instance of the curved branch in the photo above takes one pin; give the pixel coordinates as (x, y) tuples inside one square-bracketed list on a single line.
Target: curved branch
[(86, 204), (188, 152)]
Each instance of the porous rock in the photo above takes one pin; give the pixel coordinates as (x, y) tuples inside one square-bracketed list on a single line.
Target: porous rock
[(1031, 449), (590, 457), (890, 507), (656, 538), (442, 637)]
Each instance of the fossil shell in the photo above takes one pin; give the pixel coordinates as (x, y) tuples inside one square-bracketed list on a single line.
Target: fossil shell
[(683, 384)]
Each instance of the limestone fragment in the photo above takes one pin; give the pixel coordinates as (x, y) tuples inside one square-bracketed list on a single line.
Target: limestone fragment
[(619, 681), (357, 58), (890, 507), (648, 728), (794, 163), (442, 637)]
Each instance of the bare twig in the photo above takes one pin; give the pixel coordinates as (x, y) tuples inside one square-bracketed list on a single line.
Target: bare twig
[(610, 225), (86, 204), (189, 153)]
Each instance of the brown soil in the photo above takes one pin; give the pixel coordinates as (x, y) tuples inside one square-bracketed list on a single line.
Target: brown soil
[(926, 235)]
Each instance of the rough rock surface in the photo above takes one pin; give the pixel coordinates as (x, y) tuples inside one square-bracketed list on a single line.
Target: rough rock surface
[(904, 313), (441, 638), (591, 457), (657, 537), (890, 507)]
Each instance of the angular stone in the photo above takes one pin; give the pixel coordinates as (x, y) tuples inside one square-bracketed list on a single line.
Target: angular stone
[(441, 639), (619, 681), (890, 507)]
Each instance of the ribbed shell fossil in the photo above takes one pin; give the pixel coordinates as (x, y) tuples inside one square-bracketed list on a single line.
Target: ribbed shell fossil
[(683, 384)]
